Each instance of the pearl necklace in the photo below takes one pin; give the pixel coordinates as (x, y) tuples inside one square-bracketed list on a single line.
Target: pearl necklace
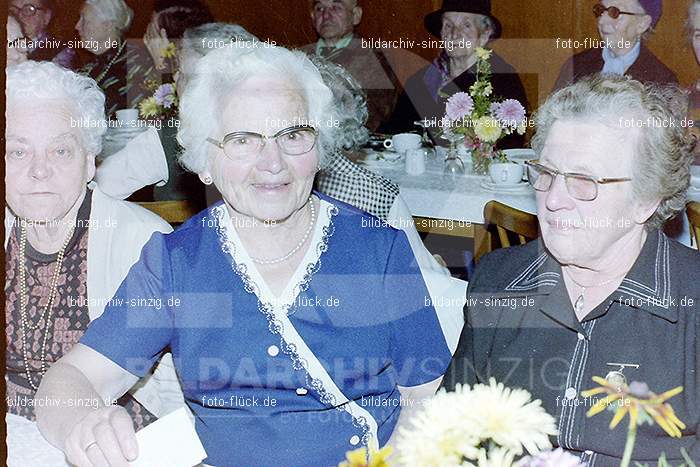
[(103, 73), (24, 302), (580, 302), (299, 245)]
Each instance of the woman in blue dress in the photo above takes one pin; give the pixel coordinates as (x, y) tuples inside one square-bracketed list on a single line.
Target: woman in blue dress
[(299, 329)]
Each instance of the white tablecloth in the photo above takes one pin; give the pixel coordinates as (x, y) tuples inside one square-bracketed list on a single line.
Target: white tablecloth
[(27, 448), (441, 196)]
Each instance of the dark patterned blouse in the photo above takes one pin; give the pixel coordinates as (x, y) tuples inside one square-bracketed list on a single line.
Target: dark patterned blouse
[(122, 72), (68, 321)]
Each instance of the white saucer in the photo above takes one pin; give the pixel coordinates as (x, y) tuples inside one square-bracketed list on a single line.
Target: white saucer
[(386, 158), (518, 188)]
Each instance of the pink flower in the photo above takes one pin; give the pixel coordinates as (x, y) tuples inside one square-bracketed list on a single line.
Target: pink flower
[(510, 112), (459, 105), (556, 458)]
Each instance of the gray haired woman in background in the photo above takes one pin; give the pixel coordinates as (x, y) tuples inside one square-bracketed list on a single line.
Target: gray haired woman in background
[(102, 26)]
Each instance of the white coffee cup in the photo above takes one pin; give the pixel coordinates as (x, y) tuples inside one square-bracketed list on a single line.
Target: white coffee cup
[(506, 173), (415, 161), (128, 117), (403, 142)]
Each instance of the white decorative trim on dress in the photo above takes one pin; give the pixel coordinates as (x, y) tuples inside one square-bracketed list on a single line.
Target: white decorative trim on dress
[(291, 343)]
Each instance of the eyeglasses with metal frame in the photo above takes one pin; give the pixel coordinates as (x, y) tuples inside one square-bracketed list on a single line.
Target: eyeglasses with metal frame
[(293, 141), (582, 187)]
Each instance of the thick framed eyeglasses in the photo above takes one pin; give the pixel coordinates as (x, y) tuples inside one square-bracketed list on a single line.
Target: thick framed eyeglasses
[(582, 187), (613, 11), (243, 145), (26, 10)]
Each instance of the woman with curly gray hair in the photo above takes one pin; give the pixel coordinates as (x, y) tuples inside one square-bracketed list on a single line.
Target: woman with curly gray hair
[(603, 282), (298, 322)]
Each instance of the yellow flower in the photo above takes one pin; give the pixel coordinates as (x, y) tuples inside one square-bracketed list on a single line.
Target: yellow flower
[(487, 129), (634, 399), (482, 53), (358, 458), (148, 107), (169, 51)]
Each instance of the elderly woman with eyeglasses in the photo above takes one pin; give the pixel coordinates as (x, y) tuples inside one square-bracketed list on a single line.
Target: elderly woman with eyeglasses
[(623, 26), (297, 328), (603, 292), (68, 246)]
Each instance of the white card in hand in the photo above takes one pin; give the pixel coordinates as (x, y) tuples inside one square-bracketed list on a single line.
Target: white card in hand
[(170, 441)]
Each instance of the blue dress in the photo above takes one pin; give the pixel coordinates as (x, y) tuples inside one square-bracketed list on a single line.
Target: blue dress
[(295, 379)]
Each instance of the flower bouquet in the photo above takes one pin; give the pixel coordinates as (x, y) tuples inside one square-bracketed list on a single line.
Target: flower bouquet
[(163, 103), (482, 426), (643, 406), (477, 120)]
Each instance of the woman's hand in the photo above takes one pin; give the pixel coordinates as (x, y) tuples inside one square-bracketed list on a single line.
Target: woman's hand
[(104, 438)]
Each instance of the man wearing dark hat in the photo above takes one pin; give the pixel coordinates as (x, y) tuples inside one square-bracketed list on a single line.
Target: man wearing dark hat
[(463, 26), (335, 22), (623, 26)]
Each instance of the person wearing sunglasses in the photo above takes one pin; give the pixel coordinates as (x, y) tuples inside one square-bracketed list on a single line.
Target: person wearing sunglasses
[(603, 291), (299, 333), (35, 17), (623, 26)]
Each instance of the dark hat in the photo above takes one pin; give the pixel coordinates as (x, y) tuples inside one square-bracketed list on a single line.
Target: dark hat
[(433, 21), (653, 9)]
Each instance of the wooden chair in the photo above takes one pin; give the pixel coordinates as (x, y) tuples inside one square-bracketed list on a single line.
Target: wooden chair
[(503, 223), (173, 212), (693, 211)]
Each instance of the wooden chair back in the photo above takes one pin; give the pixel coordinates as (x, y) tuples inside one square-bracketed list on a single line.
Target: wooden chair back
[(506, 225), (173, 212), (693, 211)]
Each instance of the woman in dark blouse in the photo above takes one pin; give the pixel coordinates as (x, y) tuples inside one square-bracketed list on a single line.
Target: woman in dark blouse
[(119, 68), (603, 292)]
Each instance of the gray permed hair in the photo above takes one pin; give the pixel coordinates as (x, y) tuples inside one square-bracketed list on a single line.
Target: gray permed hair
[(350, 98), (115, 11), (664, 153), (46, 80), (223, 69)]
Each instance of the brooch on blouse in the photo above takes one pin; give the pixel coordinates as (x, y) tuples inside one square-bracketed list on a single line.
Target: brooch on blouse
[(616, 377)]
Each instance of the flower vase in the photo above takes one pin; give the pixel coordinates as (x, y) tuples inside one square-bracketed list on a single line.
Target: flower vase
[(481, 160), (454, 165)]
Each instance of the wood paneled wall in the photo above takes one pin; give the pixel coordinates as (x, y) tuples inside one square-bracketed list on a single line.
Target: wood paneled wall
[(530, 30)]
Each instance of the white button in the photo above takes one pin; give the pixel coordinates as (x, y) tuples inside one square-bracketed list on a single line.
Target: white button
[(581, 336), (570, 393), (273, 351), (355, 440), (588, 452), (302, 391)]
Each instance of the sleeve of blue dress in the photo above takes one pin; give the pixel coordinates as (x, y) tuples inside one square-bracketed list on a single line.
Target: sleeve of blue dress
[(137, 324), (419, 351)]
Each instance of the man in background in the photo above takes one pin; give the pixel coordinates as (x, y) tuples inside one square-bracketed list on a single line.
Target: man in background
[(624, 26), (335, 22)]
